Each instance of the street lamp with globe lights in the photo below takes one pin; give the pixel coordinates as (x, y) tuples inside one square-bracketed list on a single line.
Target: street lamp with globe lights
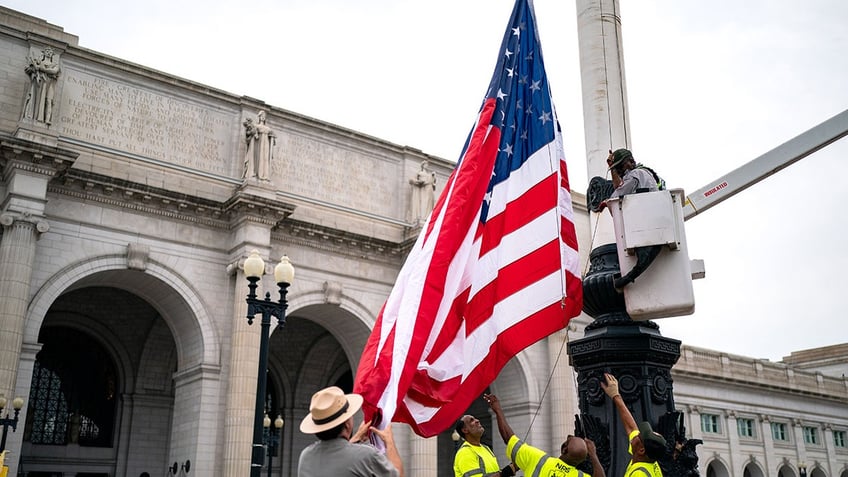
[(273, 438), (7, 421), (254, 268)]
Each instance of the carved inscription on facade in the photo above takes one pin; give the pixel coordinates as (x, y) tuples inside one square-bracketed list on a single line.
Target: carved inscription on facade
[(140, 121), (337, 175)]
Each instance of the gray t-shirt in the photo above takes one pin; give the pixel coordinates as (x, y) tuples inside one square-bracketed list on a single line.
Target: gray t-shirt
[(635, 179), (340, 458)]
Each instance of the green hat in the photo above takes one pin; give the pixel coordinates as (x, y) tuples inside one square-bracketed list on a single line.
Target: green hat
[(619, 155), (655, 446)]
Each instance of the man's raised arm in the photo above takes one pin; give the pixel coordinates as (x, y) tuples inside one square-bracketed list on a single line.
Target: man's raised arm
[(611, 388), (503, 426)]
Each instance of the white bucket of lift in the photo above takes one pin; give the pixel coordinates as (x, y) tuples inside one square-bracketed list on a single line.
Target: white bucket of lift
[(664, 289)]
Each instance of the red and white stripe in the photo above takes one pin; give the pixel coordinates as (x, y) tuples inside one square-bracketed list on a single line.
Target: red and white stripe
[(473, 294)]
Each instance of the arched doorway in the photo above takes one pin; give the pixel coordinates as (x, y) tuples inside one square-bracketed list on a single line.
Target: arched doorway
[(106, 355), (166, 354), (73, 398), (309, 353)]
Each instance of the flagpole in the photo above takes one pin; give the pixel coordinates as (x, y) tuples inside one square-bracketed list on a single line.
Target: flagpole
[(605, 112), (635, 352)]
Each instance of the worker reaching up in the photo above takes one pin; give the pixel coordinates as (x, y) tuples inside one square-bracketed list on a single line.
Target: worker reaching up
[(646, 446), (535, 461)]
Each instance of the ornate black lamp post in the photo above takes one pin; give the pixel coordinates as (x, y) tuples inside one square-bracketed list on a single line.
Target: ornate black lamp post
[(7, 421), (272, 436), (254, 268), (637, 354), (641, 358)]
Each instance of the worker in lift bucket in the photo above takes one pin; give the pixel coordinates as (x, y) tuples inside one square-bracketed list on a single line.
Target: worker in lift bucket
[(629, 177)]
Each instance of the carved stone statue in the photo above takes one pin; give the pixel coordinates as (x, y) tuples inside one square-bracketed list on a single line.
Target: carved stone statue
[(423, 191), (260, 148), (43, 72)]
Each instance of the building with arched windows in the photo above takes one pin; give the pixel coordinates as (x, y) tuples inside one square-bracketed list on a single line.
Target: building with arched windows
[(129, 199)]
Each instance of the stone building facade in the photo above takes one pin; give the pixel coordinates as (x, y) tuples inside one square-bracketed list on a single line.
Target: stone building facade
[(760, 418), (129, 199)]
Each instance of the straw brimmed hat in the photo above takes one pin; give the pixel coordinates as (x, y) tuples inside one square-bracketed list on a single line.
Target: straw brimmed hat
[(329, 408)]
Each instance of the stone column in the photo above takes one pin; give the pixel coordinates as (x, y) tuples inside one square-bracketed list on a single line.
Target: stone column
[(14, 440), (735, 459), (830, 447), (694, 422), (241, 394), (423, 456), (27, 171), (768, 442), (254, 211), (17, 255), (800, 445)]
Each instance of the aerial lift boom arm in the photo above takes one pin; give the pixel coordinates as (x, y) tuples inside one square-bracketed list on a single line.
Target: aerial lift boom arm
[(769, 163), (656, 219)]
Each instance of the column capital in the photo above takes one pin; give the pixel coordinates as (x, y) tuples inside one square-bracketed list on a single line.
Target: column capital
[(9, 219)]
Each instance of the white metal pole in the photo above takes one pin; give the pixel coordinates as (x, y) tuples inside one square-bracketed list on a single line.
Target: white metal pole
[(605, 113)]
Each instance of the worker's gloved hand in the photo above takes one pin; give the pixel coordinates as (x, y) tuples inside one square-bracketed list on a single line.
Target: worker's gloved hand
[(610, 386), (507, 471)]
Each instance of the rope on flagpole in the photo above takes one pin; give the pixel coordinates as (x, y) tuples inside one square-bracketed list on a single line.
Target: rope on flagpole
[(594, 234)]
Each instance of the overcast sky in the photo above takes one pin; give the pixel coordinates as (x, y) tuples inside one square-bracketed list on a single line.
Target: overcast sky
[(711, 85)]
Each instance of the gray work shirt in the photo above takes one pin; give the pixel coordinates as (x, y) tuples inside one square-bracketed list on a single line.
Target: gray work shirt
[(635, 179), (340, 458)]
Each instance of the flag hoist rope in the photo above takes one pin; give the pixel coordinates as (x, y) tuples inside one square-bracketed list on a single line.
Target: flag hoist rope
[(585, 269)]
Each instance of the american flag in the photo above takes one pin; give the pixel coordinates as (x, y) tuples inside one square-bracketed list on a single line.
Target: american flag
[(495, 268)]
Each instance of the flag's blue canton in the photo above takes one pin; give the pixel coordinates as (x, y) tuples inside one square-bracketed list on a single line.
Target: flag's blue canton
[(524, 111)]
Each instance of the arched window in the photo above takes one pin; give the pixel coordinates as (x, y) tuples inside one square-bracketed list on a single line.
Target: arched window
[(717, 469), (73, 396), (752, 470)]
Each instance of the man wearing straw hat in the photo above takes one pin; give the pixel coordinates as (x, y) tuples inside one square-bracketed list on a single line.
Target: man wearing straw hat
[(338, 452)]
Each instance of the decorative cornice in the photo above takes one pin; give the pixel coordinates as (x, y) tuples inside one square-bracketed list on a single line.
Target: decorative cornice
[(339, 241), (243, 206), (33, 157), (139, 197), (256, 208), (171, 204)]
